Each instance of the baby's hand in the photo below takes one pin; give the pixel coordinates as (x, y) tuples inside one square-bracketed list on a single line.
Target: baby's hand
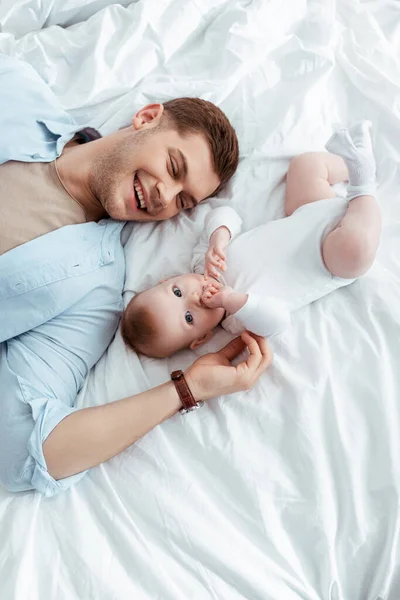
[(215, 255), (215, 294)]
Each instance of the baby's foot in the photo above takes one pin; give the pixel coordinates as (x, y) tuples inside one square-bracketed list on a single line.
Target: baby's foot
[(355, 147), (360, 133)]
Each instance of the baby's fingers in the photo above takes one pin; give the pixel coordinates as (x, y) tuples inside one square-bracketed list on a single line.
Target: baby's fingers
[(222, 265), (213, 272), (220, 253), (213, 284), (213, 258)]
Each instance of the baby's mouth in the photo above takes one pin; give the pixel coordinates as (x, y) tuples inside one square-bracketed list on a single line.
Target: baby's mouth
[(202, 303), (139, 195)]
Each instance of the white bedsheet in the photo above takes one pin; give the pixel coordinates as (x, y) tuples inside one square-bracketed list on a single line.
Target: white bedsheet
[(290, 491)]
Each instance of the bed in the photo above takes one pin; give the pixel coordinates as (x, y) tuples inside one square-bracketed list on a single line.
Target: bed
[(289, 491)]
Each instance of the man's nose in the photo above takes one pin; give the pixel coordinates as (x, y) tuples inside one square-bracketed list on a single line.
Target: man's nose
[(168, 193)]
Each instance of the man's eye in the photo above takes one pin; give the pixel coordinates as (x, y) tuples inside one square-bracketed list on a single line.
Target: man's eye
[(173, 168), (188, 317), (177, 292), (182, 203)]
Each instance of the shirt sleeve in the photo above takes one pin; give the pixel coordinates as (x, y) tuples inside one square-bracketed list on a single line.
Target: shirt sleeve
[(223, 216), (262, 316), (26, 422), (34, 127)]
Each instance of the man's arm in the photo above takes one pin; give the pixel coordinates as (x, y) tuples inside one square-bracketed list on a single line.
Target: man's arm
[(93, 435)]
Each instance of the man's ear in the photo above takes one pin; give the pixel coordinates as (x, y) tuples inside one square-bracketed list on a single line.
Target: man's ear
[(148, 115), (196, 343)]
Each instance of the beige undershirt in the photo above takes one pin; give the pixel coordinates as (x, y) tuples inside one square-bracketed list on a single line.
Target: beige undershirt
[(33, 202)]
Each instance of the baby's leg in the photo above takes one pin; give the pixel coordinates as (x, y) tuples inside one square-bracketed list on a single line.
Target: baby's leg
[(349, 250), (310, 177)]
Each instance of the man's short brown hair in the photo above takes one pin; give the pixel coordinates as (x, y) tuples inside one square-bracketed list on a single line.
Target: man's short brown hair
[(193, 115)]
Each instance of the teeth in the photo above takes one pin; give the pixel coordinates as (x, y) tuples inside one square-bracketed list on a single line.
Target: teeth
[(139, 192)]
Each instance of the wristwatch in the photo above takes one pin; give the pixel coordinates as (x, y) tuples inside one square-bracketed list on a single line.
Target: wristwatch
[(184, 393)]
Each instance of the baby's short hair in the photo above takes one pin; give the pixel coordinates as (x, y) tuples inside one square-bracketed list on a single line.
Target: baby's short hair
[(137, 326)]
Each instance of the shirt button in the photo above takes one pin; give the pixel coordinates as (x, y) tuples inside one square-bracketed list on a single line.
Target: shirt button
[(36, 155)]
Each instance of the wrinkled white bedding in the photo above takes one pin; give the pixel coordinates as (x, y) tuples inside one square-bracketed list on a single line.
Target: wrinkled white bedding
[(290, 491)]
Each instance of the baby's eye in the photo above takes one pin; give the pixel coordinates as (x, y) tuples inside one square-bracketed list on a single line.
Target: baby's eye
[(188, 317), (177, 292)]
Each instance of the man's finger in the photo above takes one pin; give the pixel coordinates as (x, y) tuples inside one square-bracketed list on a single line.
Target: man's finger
[(265, 348), (231, 350), (255, 356), (260, 353)]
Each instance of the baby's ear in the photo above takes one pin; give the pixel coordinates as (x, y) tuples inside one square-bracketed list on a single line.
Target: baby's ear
[(196, 343)]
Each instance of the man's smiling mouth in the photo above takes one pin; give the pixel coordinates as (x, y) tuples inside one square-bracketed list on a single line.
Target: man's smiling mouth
[(139, 195)]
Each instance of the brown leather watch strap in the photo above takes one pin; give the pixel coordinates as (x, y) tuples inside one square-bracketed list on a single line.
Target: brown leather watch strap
[(184, 393)]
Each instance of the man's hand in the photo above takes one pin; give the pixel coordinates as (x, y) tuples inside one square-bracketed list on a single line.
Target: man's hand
[(215, 255), (213, 375)]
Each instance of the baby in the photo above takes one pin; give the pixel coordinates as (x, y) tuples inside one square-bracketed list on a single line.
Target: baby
[(324, 243)]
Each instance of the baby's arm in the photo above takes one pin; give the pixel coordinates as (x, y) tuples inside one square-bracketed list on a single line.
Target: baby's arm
[(216, 295), (220, 226), (215, 255), (250, 312)]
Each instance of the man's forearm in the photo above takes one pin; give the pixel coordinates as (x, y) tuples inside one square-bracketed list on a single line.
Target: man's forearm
[(93, 435)]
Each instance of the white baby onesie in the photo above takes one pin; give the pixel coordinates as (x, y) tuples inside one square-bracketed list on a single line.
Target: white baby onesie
[(278, 264)]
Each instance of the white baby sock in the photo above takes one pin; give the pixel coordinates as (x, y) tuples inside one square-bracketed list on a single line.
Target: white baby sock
[(355, 147)]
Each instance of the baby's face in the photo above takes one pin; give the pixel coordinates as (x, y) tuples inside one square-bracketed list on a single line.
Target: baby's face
[(179, 315)]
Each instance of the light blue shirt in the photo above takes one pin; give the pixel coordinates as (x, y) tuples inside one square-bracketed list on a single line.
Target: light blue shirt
[(60, 294)]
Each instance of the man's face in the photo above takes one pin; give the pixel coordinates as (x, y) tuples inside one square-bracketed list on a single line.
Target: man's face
[(148, 172)]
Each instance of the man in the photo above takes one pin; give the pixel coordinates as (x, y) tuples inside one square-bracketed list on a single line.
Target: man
[(62, 272), (169, 159)]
